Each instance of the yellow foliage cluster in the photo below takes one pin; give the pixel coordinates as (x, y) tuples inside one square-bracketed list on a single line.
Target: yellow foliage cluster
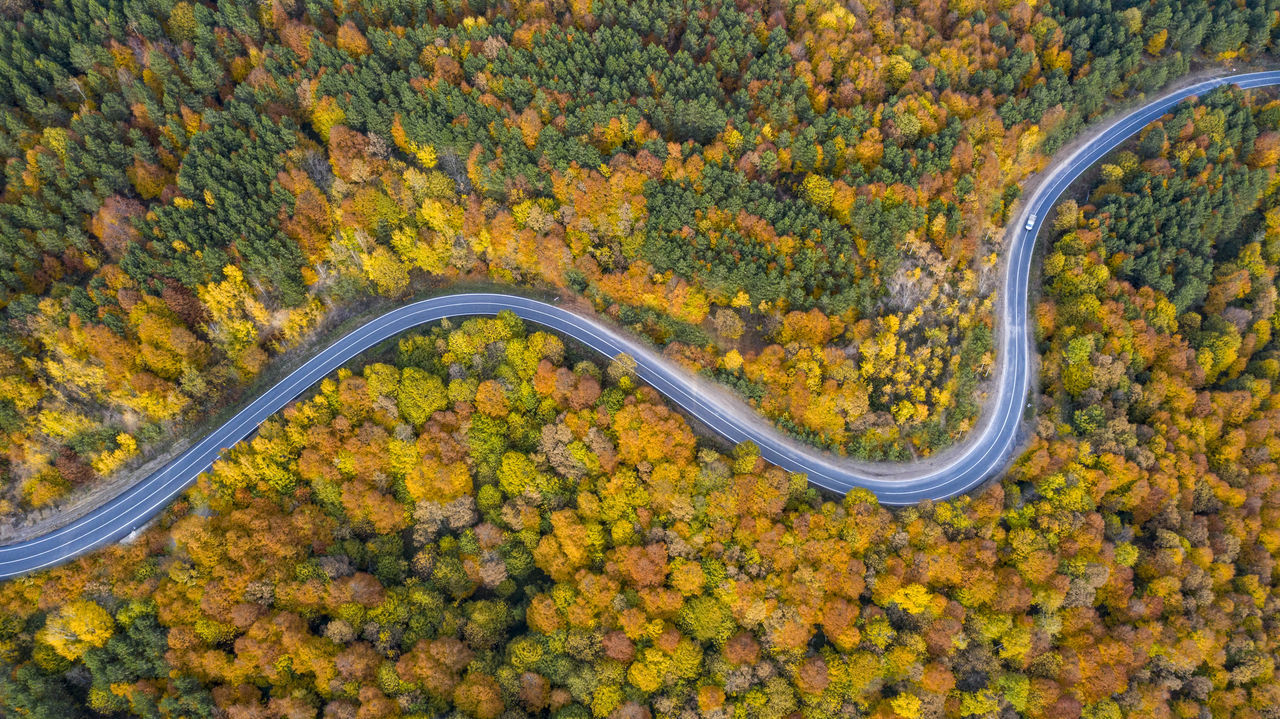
[(77, 627), (236, 316), (110, 461), (825, 379)]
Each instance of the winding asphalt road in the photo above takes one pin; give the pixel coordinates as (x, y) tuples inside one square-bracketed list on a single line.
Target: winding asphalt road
[(984, 454)]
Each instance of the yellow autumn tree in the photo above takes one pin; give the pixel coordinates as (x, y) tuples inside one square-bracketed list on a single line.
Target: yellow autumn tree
[(235, 316), (76, 628)]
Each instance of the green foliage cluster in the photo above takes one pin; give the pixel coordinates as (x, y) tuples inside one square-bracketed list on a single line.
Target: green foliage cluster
[(1176, 211)]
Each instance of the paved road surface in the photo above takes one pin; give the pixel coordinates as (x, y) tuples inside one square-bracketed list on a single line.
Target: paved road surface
[(984, 454)]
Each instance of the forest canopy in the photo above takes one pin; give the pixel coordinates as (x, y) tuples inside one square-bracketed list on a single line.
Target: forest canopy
[(474, 528), (803, 200)]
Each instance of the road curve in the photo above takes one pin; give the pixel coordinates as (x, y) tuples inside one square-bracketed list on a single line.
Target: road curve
[(984, 454)]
